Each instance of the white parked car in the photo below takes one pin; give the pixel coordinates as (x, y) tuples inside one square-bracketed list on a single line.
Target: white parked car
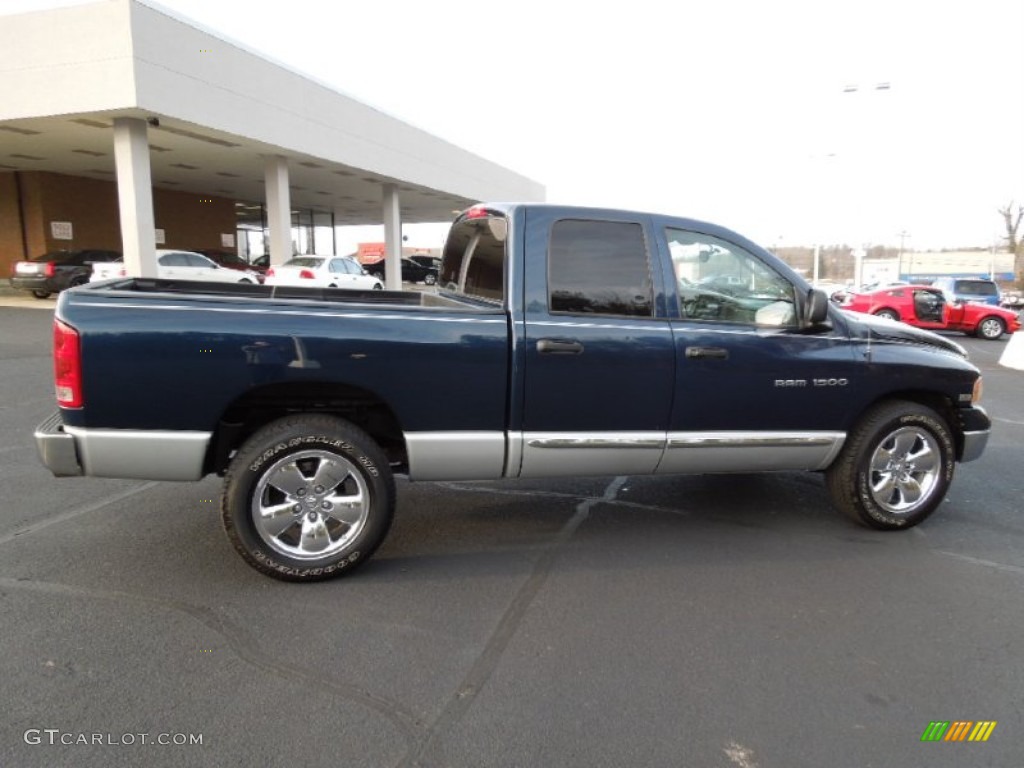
[(179, 265), (322, 272)]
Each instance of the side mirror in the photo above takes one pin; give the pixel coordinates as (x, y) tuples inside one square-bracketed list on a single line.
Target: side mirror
[(815, 308)]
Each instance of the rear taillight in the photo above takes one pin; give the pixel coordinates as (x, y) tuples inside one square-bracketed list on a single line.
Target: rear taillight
[(306, 275), (67, 365), (50, 269), (269, 272)]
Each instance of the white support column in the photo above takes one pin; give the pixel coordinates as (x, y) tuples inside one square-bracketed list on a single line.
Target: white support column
[(279, 208), (392, 239), (135, 196)]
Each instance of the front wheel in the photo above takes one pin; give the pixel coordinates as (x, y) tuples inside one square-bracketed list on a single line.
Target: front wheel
[(991, 328), (41, 294), (895, 467), (308, 497), (430, 279)]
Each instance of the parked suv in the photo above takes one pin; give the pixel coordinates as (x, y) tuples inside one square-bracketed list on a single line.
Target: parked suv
[(979, 289), (55, 271)]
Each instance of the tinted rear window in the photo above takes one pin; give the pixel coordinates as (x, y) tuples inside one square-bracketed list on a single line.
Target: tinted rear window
[(303, 261), (474, 258), (976, 287), (60, 257), (76, 257)]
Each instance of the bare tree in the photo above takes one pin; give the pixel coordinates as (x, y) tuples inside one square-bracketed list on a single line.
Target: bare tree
[(1012, 218)]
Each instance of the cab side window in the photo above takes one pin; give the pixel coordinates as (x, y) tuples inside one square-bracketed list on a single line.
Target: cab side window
[(718, 281), (599, 268), (174, 260)]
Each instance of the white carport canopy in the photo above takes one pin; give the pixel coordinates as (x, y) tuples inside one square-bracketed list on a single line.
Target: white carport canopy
[(127, 89)]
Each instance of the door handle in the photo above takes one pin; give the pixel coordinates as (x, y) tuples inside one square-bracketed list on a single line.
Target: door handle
[(559, 347), (707, 353)]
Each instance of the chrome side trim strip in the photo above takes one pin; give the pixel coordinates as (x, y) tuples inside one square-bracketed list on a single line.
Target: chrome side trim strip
[(557, 454), (749, 451), (562, 454), (455, 455), (625, 440), (141, 454), (751, 439)]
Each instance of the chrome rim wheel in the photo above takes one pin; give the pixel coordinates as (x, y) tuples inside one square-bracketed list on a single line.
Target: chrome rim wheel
[(991, 328), (310, 505), (904, 470)]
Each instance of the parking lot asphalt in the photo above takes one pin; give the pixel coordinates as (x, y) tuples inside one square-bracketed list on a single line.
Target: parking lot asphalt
[(630, 621)]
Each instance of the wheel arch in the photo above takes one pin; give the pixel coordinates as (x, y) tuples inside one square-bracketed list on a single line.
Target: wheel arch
[(991, 316), (937, 401), (261, 405), (878, 309)]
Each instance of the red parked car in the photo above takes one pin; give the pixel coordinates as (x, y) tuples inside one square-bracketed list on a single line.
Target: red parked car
[(926, 307)]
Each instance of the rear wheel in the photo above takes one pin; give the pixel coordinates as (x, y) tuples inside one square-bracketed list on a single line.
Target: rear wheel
[(991, 328), (895, 468), (888, 314), (308, 497), (41, 294), (430, 278), (378, 287)]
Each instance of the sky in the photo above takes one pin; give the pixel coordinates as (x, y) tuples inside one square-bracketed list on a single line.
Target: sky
[(794, 122)]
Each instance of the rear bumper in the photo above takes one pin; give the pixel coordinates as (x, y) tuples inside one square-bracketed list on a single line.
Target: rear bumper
[(33, 283), (57, 448), (124, 453), (976, 427)]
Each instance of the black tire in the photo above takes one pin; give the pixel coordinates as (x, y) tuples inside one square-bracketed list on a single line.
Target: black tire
[(245, 281), (378, 287), (895, 467), (991, 328), (324, 526), (41, 294), (430, 278), (888, 314), (77, 281)]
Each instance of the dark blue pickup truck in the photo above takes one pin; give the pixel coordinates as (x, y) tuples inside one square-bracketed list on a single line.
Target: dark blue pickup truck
[(560, 342)]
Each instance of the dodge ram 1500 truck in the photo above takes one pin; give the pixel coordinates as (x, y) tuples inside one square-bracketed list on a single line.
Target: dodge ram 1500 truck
[(561, 341)]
